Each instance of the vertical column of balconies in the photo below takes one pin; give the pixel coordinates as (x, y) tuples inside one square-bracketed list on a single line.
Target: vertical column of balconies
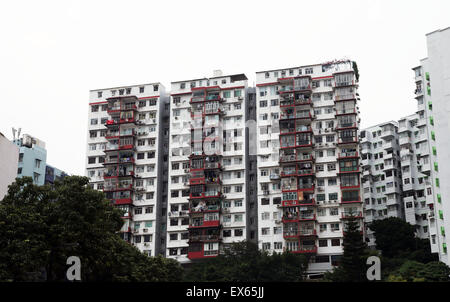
[(345, 97), (119, 162), (205, 183), (297, 165)]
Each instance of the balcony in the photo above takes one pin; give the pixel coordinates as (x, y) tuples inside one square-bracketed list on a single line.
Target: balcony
[(299, 233), (344, 125), (347, 140), (203, 254), (296, 202), (289, 102), (119, 187), (207, 194), (299, 115), (304, 249), (204, 224), (298, 129), (294, 217), (347, 215), (297, 144), (204, 238), (296, 158), (204, 209), (348, 154), (297, 173), (344, 111), (345, 97), (350, 199)]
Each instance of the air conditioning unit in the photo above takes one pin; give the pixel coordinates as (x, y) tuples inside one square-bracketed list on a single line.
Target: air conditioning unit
[(186, 184), (240, 98), (326, 130), (266, 192), (145, 230), (186, 170), (277, 221), (176, 117), (146, 244)]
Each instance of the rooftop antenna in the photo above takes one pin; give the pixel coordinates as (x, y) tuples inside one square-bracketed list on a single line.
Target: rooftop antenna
[(18, 133), (14, 133)]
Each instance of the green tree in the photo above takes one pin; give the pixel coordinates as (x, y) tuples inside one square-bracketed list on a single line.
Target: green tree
[(352, 266), (395, 238), (41, 226)]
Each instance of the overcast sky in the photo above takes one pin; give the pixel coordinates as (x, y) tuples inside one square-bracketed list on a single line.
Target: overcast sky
[(53, 52)]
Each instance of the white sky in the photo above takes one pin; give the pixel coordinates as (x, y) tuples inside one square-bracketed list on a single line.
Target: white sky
[(53, 52)]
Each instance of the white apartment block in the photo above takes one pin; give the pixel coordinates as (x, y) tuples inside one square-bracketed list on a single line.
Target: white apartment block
[(125, 157), (433, 95), (308, 162), (207, 203), (381, 174)]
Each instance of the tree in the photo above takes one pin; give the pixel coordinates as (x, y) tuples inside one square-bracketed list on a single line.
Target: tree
[(414, 271), (393, 236), (244, 262), (396, 239), (41, 226), (352, 266)]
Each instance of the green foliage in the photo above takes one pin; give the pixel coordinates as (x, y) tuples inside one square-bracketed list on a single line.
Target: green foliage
[(393, 236), (355, 68), (244, 262), (41, 226), (413, 271)]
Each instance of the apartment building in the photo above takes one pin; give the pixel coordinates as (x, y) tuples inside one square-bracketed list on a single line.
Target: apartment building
[(426, 205), (308, 161), (32, 158), (381, 174), (126, 158), (8, 164), (208, 192)]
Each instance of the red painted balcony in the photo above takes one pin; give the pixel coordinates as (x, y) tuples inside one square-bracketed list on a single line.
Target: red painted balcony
[(345, 97), (347, 140), (348, 200), (297, 144), (205, 224), (299, 233), (297, 116), (204, 238), (343, 126), (297, 173), (123, 201), (293, 203), (305, 249), (305, 129), (346, 111), (210, 194), (287, 218), (203, 254), (291, 102)]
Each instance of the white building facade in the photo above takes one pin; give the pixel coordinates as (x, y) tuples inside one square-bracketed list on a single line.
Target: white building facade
[(381, 174), (308, 161), (207, 166), (125, 158)]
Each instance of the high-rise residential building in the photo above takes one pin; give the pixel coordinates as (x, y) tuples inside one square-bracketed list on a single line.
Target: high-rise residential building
[(381, 174), (8, 164), (416, 174), (209, 198), (433, 96), (126, 158), (308, 161)]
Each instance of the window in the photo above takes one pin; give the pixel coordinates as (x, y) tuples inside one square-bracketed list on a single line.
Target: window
[(335, 242), (94, 108), (323, 243), (37, 163)]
